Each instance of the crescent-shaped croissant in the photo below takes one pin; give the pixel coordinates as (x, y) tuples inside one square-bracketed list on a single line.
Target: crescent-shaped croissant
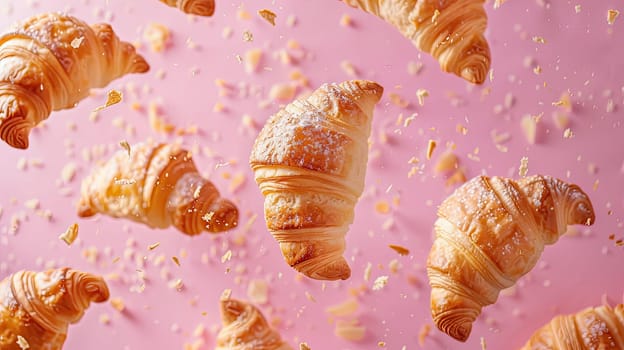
[(245, 328), (309, 161), (490, 232), (158, 185), (50, 62), (194, 7), (451, 31), (593, 328), (39, 306)]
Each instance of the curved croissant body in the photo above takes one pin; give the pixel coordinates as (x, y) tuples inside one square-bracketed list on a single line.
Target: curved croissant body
[(195, 7), (451, 31), (39, 306), (157, 185), (593, 328), (50, 62), (309, 161), (245, 328), (489, 233)]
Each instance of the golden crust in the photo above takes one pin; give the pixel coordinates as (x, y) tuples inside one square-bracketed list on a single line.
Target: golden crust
[(490, 232), (309, 161), (195, 7)]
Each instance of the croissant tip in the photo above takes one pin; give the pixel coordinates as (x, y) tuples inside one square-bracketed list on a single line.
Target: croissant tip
[(230, 310), (14, 131), (338, 270), (84, 210), (203, 8), (474, 75), (461, 332)]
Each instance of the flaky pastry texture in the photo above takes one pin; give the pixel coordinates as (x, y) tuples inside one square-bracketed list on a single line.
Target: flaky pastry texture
[(309, 161), (452, 31), (158, 185), (489, 233), (195, 7), (245, 328), (593, 328), (50, 62), (39, 306)]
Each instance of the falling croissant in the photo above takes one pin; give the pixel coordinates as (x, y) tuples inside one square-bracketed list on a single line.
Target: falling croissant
[(309, 161), (50, 62), (37, 307), (157, 185), (489, 233), (194, 7), (451, 31), (245, 328), (593, 328)]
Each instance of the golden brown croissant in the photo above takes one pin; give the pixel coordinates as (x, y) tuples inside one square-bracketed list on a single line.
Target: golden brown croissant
[(245, 328), (195, 7), (49, 62), (310, 161), (39, 306), (593, 328), (452, 31), (489, 233), (159, 186)]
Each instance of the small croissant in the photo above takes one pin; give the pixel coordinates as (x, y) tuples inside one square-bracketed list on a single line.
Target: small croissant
[(195, 7), (593, 328), (158, 185), (452, 31), (245, 328), (490, 232), (309, 161), (38, 307), (50, 62)]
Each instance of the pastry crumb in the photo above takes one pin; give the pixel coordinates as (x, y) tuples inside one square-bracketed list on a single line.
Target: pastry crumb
[(68, 172), (346, 308), (112, 97), (226, 294), (258, 291), (282, 92), (399, 249), (304, 346), (423, 333), (252, 60), (349, 330), (524, 166), (175, 260), (77, 42), (367, 271), (153, 246), (157, 35), (567, 133), (346, 20), (380, 283), (422, 94), (268, 15), (528, 124), (22, 343), (348, 68), (227, 256), (539, 40), (447, 162), (612, 15), (247, 36), (125, 145), (118, 304), (70, 235), (382, 207), (577, 8), (483, 345), (431, 145)]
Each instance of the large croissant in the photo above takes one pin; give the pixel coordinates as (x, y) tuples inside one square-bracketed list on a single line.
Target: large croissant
[(593, 328), (195, 7), (452, 31), (50, 62), (489, 233), (310, 161), (39, 306), (157, 185), (245, 328)]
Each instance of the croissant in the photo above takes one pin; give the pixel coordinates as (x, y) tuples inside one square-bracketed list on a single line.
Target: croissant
[(157, 185), (309, 161), (49, 62), (39, 306), (452, 31), (593, 328), (195, 7), (490, 232), (245, 328)]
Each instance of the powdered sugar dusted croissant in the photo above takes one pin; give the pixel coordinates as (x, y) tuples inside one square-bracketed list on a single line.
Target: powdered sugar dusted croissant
[(452, 31), (158, 185), (490, 232), (50, 62), (195, 7), (39, 306), (245, 328), (593, 328), (309, 161)]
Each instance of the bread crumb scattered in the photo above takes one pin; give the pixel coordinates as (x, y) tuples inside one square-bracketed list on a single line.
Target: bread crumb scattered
[(414, 68), (346, 308), (70, 235), (247, 36), (226, 294), (268, 15), (577, 8), (304, 346), (281, 91), (349, 330), (447, 161), (22, 343), (258, 291), (125, 145), (367, 271), (423, 333), (612, 15), (421, 94), (483, 345), (382, 207), (105, 319), (539, 40), (118, 304), (68, 172), (77, 42), (380, 282), (227, 256), (399, 249), (431, 145), (346, 20), (567, 133), (348, 68), (524, 166), (175, 260), (498, 3), (528, 124), (157, 35), (252, 60)]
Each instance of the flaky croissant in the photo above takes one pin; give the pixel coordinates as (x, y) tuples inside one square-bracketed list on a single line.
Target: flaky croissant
[(50, 62), (452, 31), (490, 232), (245, 328), (309, 161), (157, 185), (39, 306), (194, 7), (593, 328)]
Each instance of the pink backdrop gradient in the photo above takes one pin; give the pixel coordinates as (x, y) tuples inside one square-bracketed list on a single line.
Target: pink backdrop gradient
[(582, 55)]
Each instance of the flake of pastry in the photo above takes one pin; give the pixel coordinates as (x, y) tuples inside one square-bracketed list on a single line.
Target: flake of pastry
[(227, 256), (524, 166), (498, 3), (567, 133), (367, 271), (431, 145), (349, 68), (68, 172), (612, 15), (382, 207), (247, 36), (421, 94), (423, 333), (242, 14), (282, 92), (118, 304), (291, 21), (158, 36), (349, 330), (175, 260), (22, 343), (380, 282), (528, 124), (258, 291), (176, 284), (399, 249), (304, 346), (577, 8), (268, 15), (414, 68), (539, 40), (70, 235)]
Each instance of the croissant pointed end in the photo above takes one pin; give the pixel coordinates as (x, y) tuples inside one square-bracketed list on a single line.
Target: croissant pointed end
[(460, 332), (581, 211), (204, 8), (94, 287), (475, 64), (15, 131), (224, 217), (140, 65), (84, 210), (336, 270), (231, 309)]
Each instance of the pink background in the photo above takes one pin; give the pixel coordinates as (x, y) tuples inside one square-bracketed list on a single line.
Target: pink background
[(582, 55)]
